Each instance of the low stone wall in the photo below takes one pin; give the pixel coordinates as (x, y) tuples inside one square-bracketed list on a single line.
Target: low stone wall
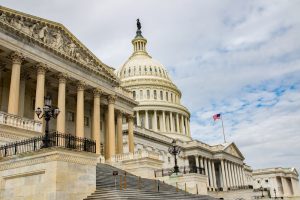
[(193, 183), (48, 174)]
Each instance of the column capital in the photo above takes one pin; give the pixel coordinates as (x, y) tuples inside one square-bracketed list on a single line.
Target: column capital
[(111, 99), (119, 112), (81, 85), (41, 68), (130, 117), (62, 77), (97, 92), (17, 57)]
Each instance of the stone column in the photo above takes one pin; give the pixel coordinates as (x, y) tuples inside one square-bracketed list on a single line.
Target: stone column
[(201, 162), (182, 125), (210, 174), (226, 174), (206, 170), (237, 175), (40, 88), (197, 161), (111, 126), (214, 174), (130, 134), (230, 174), (177, 123), (119, 133), (24, 77), (106, 149), (61, 104), (96, 120), (164, 121), (138, 123), (155, 121), (80, 110), (223, 175), (13, 101), (186, 125), (146, 119), (241, 176), (171, 123), (188, 128), (234, 175)]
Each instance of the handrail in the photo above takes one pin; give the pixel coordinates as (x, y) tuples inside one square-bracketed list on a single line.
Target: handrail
[(183, 170)]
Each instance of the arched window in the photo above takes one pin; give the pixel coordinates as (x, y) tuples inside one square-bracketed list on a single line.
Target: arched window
[(161, 95), (155, 95), (134, 95)]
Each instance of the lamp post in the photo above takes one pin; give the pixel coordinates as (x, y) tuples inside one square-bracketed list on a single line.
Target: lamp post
[(275, 193), (47, 113), (175, 150), (262, 191)]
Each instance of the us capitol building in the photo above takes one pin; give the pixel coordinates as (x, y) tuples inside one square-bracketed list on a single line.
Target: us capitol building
[(126, 119)]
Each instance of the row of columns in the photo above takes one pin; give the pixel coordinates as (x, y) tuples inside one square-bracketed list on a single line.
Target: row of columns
[(13, 102), (180, 121), (231, 174)]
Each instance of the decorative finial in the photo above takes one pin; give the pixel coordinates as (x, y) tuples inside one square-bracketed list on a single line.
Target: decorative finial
[(138, 24)]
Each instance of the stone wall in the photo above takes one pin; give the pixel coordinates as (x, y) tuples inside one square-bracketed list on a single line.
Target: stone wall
[(48, 174)]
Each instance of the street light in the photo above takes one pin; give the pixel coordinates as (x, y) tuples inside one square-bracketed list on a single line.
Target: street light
[(175, 150), (262, 191), (47, 113)]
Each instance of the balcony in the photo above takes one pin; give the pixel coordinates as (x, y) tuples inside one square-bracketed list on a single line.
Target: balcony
[(20, 122)]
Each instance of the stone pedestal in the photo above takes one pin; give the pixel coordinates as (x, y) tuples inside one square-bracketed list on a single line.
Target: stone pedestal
[(193, 182), (48, 174)]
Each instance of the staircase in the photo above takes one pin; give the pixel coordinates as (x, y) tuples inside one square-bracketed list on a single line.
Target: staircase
[(135, 188)]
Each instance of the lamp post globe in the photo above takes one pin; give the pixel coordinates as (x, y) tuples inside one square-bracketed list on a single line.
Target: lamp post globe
[(47, 113)]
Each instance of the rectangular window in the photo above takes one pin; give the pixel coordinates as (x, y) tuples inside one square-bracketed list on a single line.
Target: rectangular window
[(155, 95), (134, 95), (71, 116), (148, 94), (86, 121), (161, 95), (141, 94), (167, 96), (171, 97)]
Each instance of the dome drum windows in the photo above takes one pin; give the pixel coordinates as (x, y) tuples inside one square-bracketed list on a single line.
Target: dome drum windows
[(148, 94), (155, 94)]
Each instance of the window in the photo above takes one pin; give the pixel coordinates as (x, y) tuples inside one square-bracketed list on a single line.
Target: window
[(161, 95), (171, 97), (167, 96), (155, 95), (71, 116), (266, 181), (169, 159), (141, 94), (86, 121), (148, 94), (258, 181), (134, 95)]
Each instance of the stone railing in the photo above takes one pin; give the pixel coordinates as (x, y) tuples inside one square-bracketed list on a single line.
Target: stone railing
[(136, 155), (20, 122)]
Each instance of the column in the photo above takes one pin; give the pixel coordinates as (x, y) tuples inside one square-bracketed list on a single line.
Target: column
[(171, 123), (182, 125), (61, 104), (226, 174), (214, 174), (186, 125), (210, 174), (233, 175), (164, 121), (177, 123), (197, 163), (201, 162), (119, 133), (188, 128), (240, 176), (106, 135), (237, 174), (13, 100), (40, 88), (223, 175), (138, 123), (24, 77), (96, 120), (155, 121), (206, 170), (80, 110), (230, 174), (146, 119), (111, 126), (130, 134)]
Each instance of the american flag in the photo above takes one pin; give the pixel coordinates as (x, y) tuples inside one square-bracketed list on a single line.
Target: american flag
[(217, 116)]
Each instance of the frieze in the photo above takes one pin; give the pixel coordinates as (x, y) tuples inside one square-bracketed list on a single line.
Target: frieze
[(55, 37)]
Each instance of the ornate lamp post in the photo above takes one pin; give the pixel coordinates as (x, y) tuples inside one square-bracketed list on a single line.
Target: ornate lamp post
[(47, 113), (175, 150)]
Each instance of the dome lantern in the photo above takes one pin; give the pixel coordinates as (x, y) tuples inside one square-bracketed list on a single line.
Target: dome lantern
[(139, 42)]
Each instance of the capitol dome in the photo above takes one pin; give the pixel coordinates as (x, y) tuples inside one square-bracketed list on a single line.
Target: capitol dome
[(159, 106)]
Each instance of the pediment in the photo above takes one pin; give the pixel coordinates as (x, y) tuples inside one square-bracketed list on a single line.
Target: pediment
[(56, 38), (233, 150)]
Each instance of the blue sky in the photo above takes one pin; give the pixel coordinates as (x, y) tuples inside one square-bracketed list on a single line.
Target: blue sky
[(240, 58)]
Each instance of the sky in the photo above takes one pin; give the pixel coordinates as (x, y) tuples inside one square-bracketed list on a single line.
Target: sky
[(237, 58)]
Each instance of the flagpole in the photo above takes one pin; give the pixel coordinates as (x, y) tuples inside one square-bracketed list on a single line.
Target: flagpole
[(223, 129)]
